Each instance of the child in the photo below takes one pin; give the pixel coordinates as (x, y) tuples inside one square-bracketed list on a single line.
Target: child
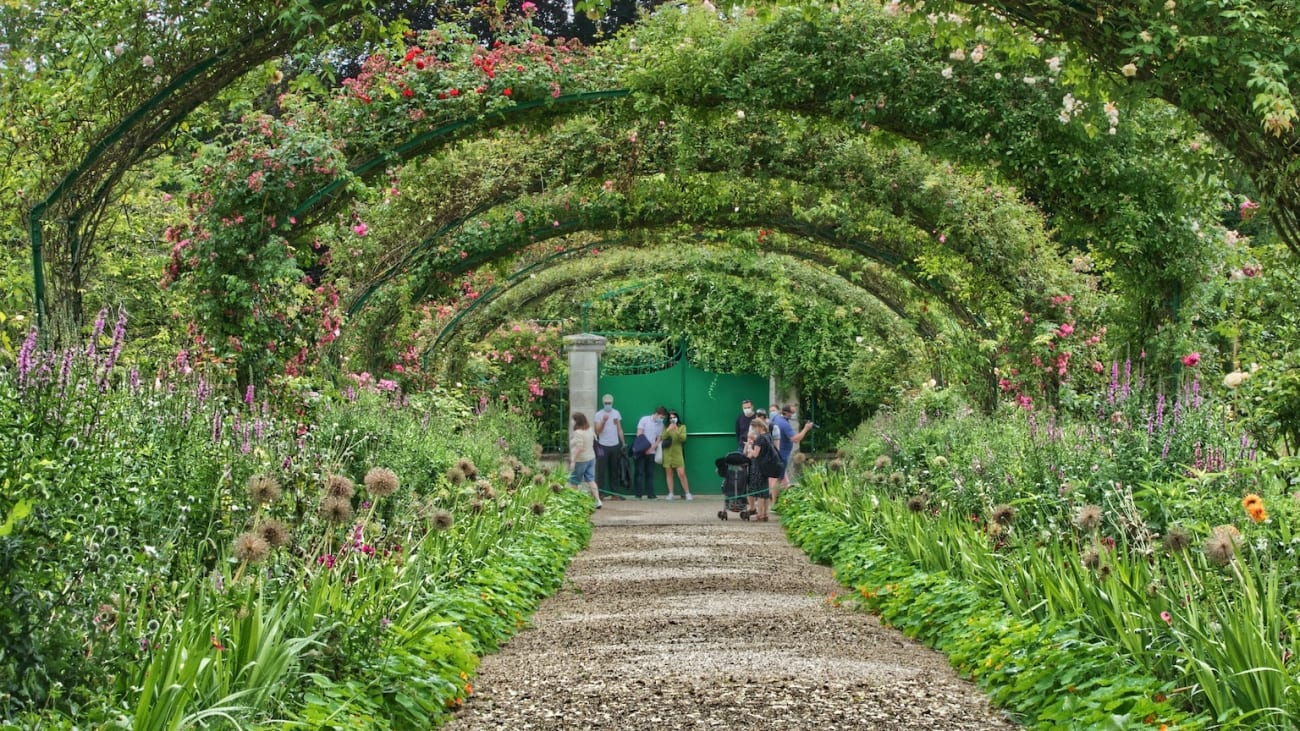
[(582, 456)]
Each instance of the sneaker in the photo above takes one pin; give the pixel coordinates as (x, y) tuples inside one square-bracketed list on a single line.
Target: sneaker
[(649, 497), (600, 505), (671, 497), (690, 496)]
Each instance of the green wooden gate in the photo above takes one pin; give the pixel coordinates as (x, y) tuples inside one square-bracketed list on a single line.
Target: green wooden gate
[(708, 403)]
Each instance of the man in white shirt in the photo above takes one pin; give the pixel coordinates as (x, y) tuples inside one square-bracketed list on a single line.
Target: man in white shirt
[(609, 446)]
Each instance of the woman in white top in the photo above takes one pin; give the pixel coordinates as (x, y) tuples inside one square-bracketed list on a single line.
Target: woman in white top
[(582, 456)]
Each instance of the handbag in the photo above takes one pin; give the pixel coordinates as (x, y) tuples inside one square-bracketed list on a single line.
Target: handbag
[(667, 442)]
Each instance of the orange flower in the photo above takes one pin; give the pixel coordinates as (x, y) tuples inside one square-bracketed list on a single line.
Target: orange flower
[(1251, 499), (1257, 513)]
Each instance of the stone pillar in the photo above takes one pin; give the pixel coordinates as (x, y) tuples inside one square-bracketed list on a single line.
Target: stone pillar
[(584, 360)]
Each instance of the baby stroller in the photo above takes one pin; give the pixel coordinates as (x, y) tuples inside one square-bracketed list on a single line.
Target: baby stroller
[(734, 470)]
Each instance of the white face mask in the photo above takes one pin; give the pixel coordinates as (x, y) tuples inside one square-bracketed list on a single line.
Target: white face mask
[(609, 407), (749, 412)]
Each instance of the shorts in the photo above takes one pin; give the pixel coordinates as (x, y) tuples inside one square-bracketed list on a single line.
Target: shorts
[(583, 472)]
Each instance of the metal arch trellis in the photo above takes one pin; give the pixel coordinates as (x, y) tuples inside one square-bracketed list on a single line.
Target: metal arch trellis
[(498, 290)]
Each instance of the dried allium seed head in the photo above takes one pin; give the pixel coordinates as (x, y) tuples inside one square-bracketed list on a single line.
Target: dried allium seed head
[(940, 461), (251, 548), (883, 462), (381, 482), (507, 526), (1220, 548), (917, 504), (263, 490), (1090, 559), (275, 533), (525, 472), (485, 490), (539, 479), (475, 506), (841, 453), (537, 508), (339, 486), (537, 451), (1153, 588), (1177, 539), (556, 487), (442, 520), (897, 478), (800, 457), (1088, 517), (507, 474), (835, 464), (455, 475), (1103, 572), (1003, 515), (336, 509), (468, 468)]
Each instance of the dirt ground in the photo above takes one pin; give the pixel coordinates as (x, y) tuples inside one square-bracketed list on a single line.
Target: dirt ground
[(674, 619)]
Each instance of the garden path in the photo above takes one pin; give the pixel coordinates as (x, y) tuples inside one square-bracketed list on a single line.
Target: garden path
[(672, 619)]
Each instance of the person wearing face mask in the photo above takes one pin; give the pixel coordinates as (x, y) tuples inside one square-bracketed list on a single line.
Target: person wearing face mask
[(673, 437), (649, 430), (742, 423), (788, 438), (609, 448)]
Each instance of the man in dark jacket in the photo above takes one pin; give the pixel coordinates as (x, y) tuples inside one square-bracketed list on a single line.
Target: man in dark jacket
[(742, 423)]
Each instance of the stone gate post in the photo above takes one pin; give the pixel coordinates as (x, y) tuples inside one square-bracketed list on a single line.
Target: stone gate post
[(584, 360)]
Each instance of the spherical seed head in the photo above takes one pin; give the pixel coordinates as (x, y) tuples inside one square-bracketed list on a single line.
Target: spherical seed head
[(476, 506), (916, 504), (539, 479), (1003, 515), (381, 482), (836, 464), (251, 548), (537, 508), (263, 490), (507, 474), (1088, 517), (442, 520), (507, 526), (274, 532), (485, 490), (897, 478), (800, 457), (336, 509), (1177, 539), (537, 451), (556, 487), (468, 468), (455, 475), (883, 461), (1220, 548), (339, 486), (940, 461), (1103, 571)]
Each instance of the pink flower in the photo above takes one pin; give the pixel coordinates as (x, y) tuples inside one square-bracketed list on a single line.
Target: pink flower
[(1065, 330), (1169, 618), (1191, 359), (528, 8), (360, 229)]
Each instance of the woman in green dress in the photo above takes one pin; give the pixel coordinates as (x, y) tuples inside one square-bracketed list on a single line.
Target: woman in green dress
[(673, 459)]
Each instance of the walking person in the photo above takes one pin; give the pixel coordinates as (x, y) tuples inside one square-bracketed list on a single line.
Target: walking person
[(674, 437), (787, 438), (609, 448), (582, 457), (742, 423), (648, 432)]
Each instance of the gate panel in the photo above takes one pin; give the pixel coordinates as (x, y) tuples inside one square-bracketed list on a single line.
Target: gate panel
[(708, 402)]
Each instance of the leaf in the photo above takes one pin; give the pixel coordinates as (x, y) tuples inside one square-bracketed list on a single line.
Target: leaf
[(17, 513)]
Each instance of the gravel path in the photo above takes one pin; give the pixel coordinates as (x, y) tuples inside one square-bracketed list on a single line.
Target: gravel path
[(672, 619)]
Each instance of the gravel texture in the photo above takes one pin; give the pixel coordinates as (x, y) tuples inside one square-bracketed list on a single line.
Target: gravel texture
[(673, 619)]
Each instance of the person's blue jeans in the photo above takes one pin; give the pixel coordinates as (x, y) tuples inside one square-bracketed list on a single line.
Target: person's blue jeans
[(643, 475)]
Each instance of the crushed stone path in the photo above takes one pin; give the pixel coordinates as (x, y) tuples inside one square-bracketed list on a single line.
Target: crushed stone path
[(673, 619)]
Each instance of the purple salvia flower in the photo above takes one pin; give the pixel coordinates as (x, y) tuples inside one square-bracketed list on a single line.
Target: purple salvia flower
[(95, 333), (350, 394), (1178, 403), (1114, 380), (135, 380), (119, 337), (1164, 453), (65, 371), (1128, 377), (216, 426), (248, 395), (1196, 393), (1160, 409), (257, 428), (243, 435), (25, 357)]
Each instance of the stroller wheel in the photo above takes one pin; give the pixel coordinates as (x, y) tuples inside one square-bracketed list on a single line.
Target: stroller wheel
[(744, 515), (722, 515)]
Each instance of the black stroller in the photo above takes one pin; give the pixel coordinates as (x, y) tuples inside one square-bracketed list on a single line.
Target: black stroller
[(734, 469)]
